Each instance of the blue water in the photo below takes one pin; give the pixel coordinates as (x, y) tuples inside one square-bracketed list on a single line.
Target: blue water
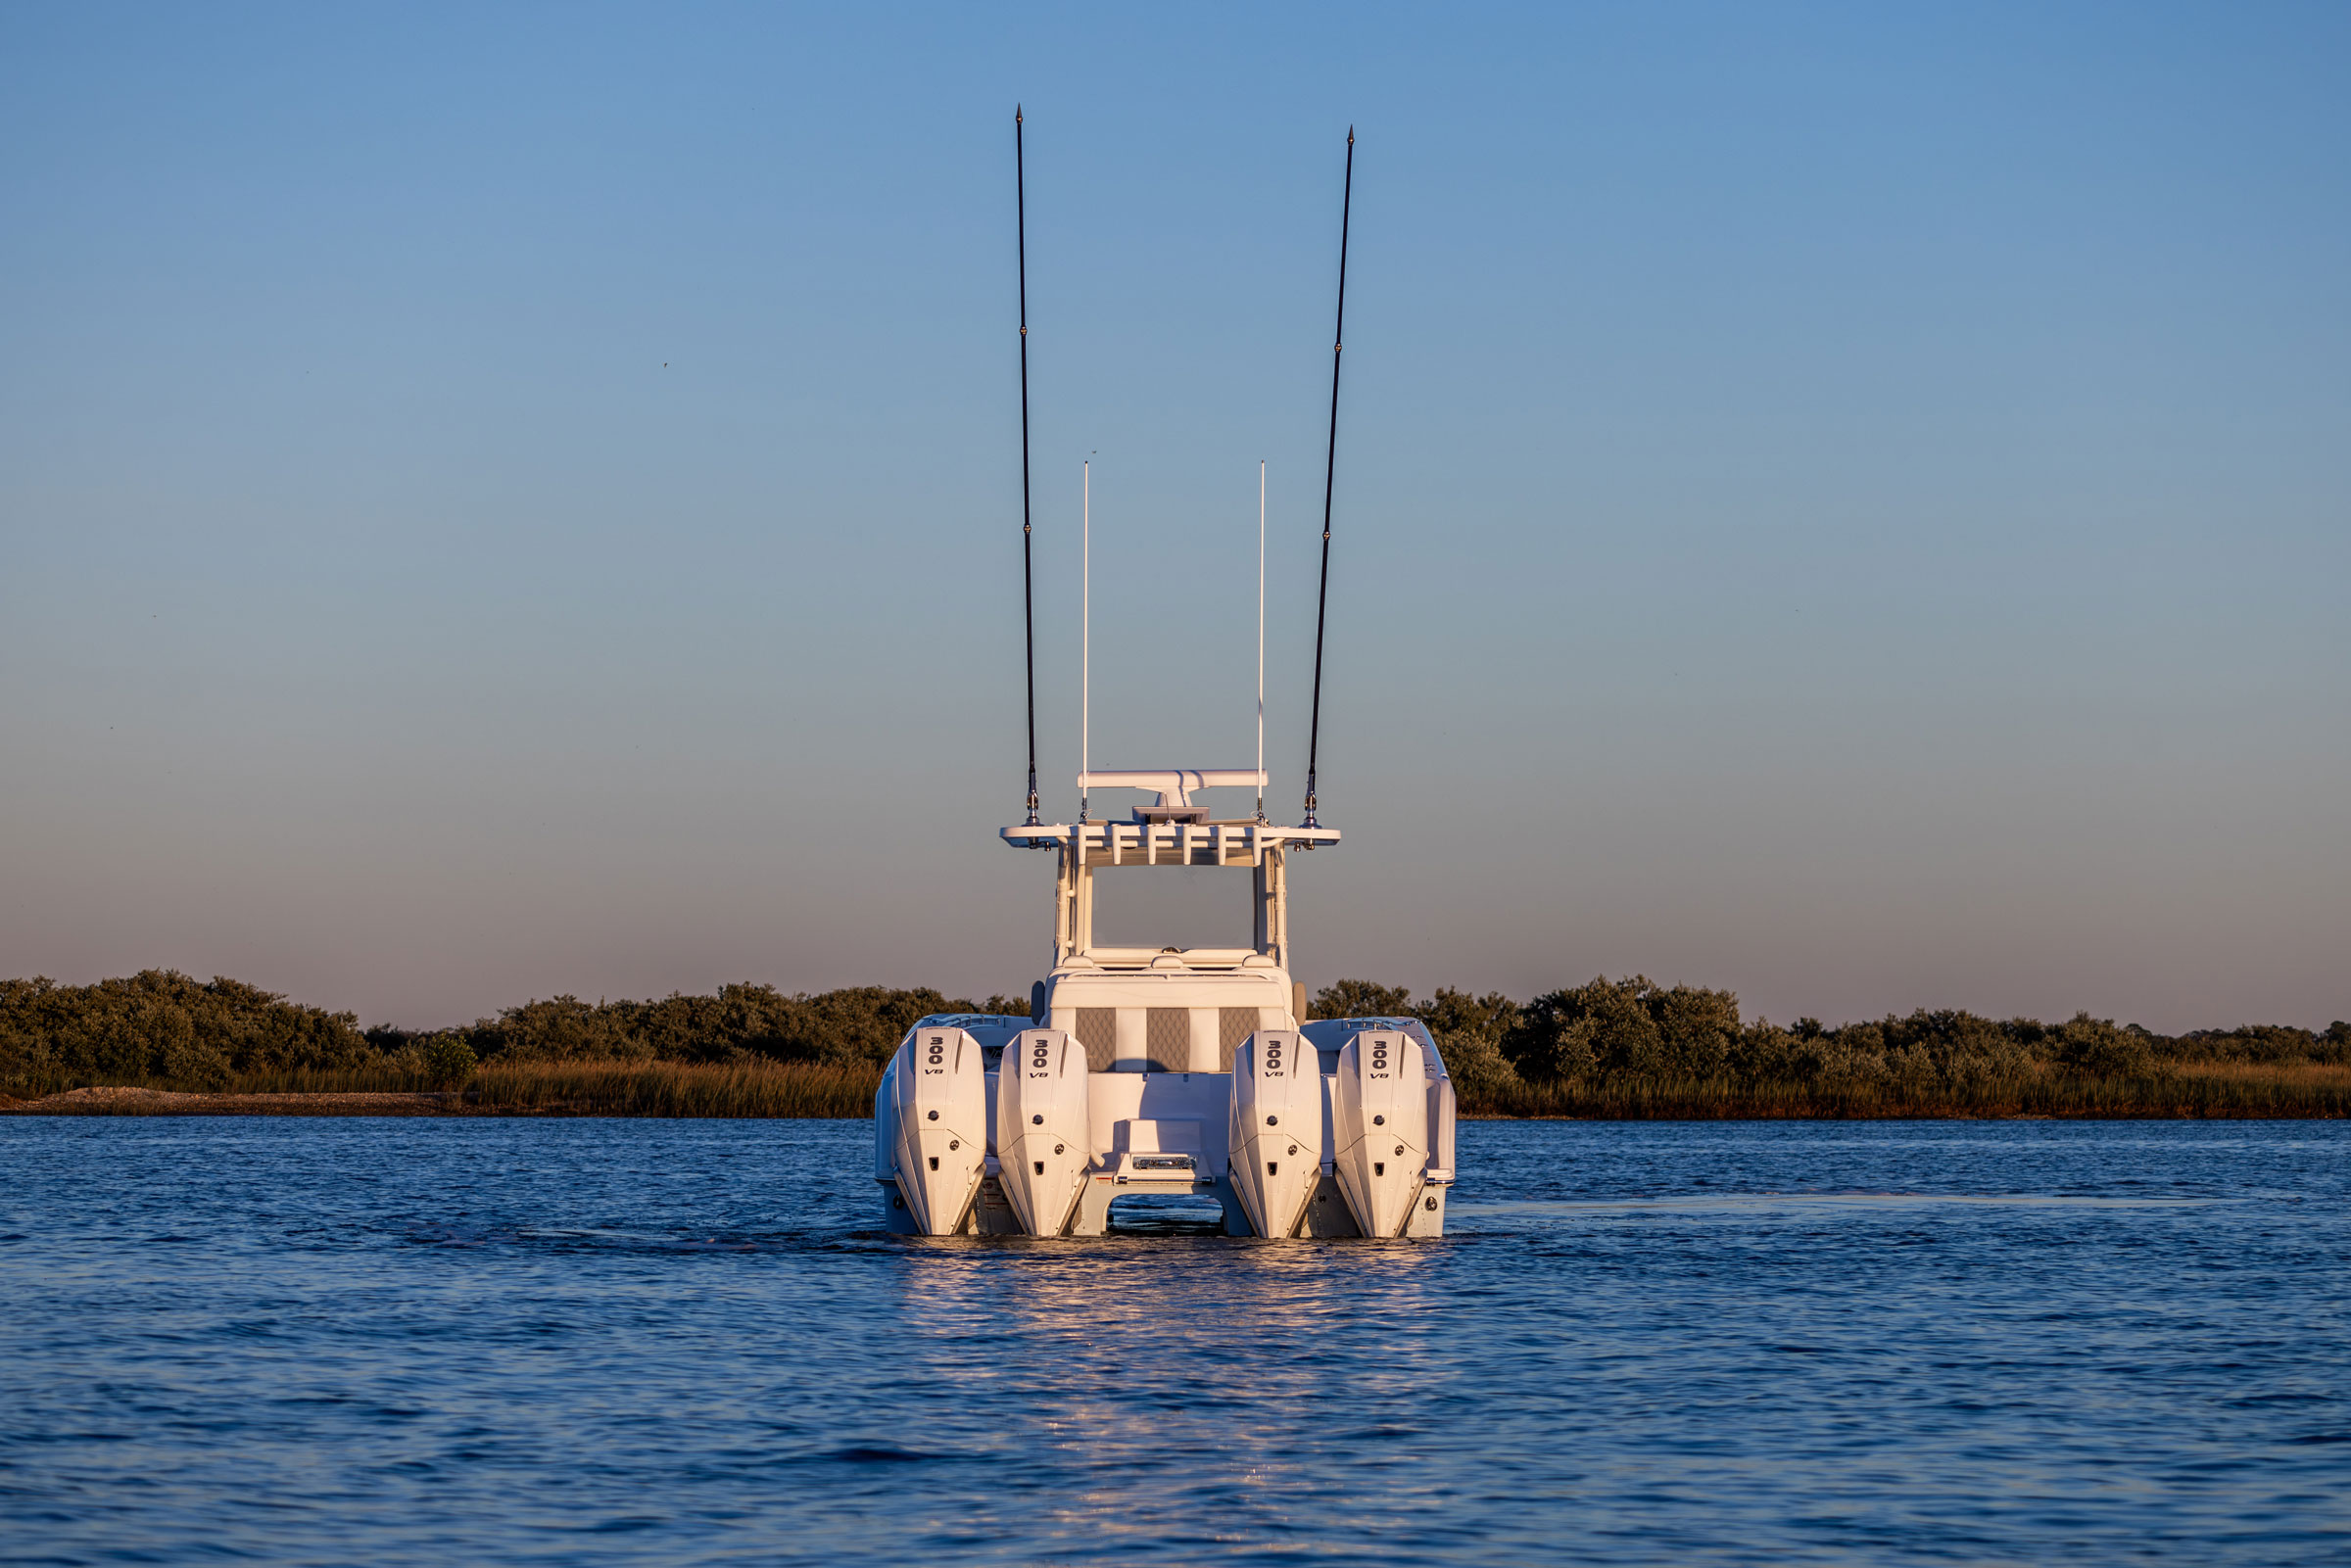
[(441, 1342)]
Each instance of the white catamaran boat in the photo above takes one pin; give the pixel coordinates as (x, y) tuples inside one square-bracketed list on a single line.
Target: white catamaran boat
[(1182, 1072)]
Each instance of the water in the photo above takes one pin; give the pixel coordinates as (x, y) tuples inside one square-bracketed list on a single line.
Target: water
[(436, 1342)]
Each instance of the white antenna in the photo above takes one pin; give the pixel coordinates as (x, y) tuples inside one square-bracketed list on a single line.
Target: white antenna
[(1260, 640), (1086, 638)]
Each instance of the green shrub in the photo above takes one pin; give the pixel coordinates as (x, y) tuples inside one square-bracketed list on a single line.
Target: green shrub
[(446, 1060), (857, 1024), (2095, 1048), (160, 1024), (1360, 999), (1614, 1027)]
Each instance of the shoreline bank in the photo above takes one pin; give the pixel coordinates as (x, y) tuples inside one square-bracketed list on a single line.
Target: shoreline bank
[(1628, 1050), (131, 1101)]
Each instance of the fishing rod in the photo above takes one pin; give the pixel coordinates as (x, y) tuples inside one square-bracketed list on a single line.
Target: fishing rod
[(1020, 199), (1331, 464)]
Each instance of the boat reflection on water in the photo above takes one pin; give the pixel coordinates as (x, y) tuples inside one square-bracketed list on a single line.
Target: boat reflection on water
[(1181, 1368)]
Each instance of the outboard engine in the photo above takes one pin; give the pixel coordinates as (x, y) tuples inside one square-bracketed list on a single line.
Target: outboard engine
[(937, 1116), (1041, 1152), (1379, 1123), (1274, 1141)]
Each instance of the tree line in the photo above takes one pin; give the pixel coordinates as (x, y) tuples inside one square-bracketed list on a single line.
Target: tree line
[(163, 1027), (1608, 1032), (160, 1027)]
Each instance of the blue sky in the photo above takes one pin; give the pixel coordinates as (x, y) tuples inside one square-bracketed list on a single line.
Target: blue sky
[(1850, 504)]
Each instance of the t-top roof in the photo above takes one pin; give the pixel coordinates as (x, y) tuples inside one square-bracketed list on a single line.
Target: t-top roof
[(1170, 843), (1173, 830)]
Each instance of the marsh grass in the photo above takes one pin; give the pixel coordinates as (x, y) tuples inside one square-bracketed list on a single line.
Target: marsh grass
[(2300, 1075), (783, 1089), (2224, 1090), (676, 1088), (532, 1088), (374, 1078)]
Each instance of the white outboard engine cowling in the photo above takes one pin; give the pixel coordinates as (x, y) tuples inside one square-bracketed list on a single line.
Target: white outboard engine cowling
[(1041, 1152), (1276, 1135), (1379, 1123), (938, 1118)]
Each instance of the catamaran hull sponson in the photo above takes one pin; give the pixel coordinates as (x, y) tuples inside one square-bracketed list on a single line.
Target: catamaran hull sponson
[(1101, 1135)]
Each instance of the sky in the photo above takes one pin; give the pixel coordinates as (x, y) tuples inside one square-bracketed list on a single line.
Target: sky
[(1847, 504)]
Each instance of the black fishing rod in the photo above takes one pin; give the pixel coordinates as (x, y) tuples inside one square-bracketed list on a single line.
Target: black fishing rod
[(1331, 464), (1020, 199)]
